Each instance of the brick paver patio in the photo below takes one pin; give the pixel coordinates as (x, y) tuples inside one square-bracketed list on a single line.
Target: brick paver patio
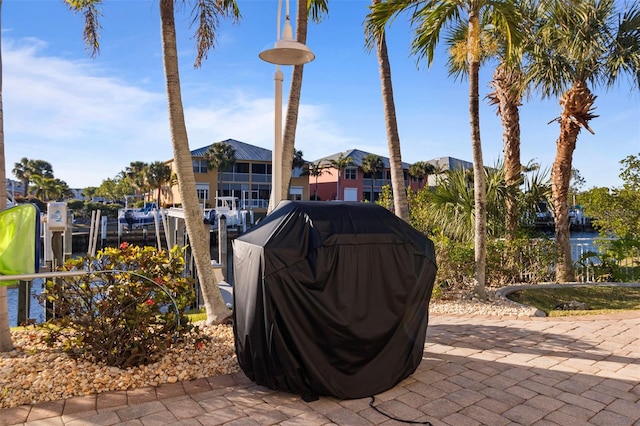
[(475, 371)]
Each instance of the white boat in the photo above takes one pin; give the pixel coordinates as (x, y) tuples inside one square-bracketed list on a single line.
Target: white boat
[(136, 218), (227, 207)]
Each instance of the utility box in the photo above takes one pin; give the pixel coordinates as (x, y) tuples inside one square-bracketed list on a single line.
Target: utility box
[(56, 216)]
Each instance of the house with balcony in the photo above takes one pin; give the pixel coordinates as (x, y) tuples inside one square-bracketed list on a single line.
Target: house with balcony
[(353, 184), (249, 178)]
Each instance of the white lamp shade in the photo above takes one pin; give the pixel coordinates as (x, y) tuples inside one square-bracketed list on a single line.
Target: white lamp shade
[(288, 52)]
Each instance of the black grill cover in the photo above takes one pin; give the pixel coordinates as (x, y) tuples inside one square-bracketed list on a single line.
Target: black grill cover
[(331, 298)]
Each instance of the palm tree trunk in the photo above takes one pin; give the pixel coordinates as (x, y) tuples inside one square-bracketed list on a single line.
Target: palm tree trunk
[(6, 345), (479, 184), (400, 203), (216, 309), (293, 105), (508, 101), (571, 100)]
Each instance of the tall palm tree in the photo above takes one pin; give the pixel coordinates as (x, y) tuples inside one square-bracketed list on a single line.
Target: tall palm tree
[(400, 203), (431, 17), (6, 345), (421, 170), (340, 164), (220, 156), (158, 174), (317, 9), (207, 16), (372, 165), (580, 43), (316, 170)]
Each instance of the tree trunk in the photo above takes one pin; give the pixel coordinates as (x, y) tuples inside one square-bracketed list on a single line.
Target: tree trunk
[(508, 101), (293, 105), (217, 310), (400, 203), (6, 344), (479, 184), (575, 102)]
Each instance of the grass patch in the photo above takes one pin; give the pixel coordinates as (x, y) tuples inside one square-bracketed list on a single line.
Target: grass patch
[(596, 299), (195, 315)]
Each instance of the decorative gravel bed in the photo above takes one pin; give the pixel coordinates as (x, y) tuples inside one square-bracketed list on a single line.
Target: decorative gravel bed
[(34, 372)]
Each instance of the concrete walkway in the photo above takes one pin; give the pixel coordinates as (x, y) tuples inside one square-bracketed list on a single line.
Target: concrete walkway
[(475, 371)]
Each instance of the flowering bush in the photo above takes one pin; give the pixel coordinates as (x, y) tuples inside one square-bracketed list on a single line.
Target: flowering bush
[(126, 309)]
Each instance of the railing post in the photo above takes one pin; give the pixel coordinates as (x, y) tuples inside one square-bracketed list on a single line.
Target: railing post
[(24, 301), (58, 260)]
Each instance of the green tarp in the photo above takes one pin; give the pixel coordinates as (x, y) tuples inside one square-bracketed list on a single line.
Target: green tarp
[(19, 241)]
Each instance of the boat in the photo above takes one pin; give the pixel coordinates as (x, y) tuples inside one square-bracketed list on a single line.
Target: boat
[(227, 207), (136, 218)]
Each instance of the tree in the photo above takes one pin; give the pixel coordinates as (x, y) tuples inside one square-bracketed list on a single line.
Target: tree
[(430, 17), (421, 170), (90, 192), (372, 165), (401, 205), (136, 173), (298, 161), (315, 8), (158, 174), (451, 207), (6, 345), (617, 210), (509, 86), (27, 168), (316, 170), (206, 15), (220, 156), (579, 43), (340, 164), (47, 188)]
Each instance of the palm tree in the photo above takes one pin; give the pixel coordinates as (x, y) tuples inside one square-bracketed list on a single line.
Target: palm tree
[(431, 16), (207, 15), (340, 164), (509, 86), (46, 188), (400, 203), (6, 345), (451, 207), (26, 168), (315, 8), (372, 165), (136, 173), (316, 170), (158, 174), (220, 156), (421, 170), (579, 43), (22, 172)]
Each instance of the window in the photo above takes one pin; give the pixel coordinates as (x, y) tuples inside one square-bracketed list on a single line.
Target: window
[(241, 168), (199, 166), (259, 169), (351, 173)]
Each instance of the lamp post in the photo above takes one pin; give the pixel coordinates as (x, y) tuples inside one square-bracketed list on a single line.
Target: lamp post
[(286, 51)]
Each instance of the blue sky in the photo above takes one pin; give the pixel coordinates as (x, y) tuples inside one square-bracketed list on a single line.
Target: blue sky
[(91, 117)]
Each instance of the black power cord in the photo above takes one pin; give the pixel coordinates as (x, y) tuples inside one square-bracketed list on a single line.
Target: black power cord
[(373, 400)]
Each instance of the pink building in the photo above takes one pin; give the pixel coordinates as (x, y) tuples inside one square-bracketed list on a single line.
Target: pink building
[(352, 184)]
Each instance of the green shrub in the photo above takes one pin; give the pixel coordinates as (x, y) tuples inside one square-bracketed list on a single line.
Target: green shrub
[(508, 262), (126, 310)]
